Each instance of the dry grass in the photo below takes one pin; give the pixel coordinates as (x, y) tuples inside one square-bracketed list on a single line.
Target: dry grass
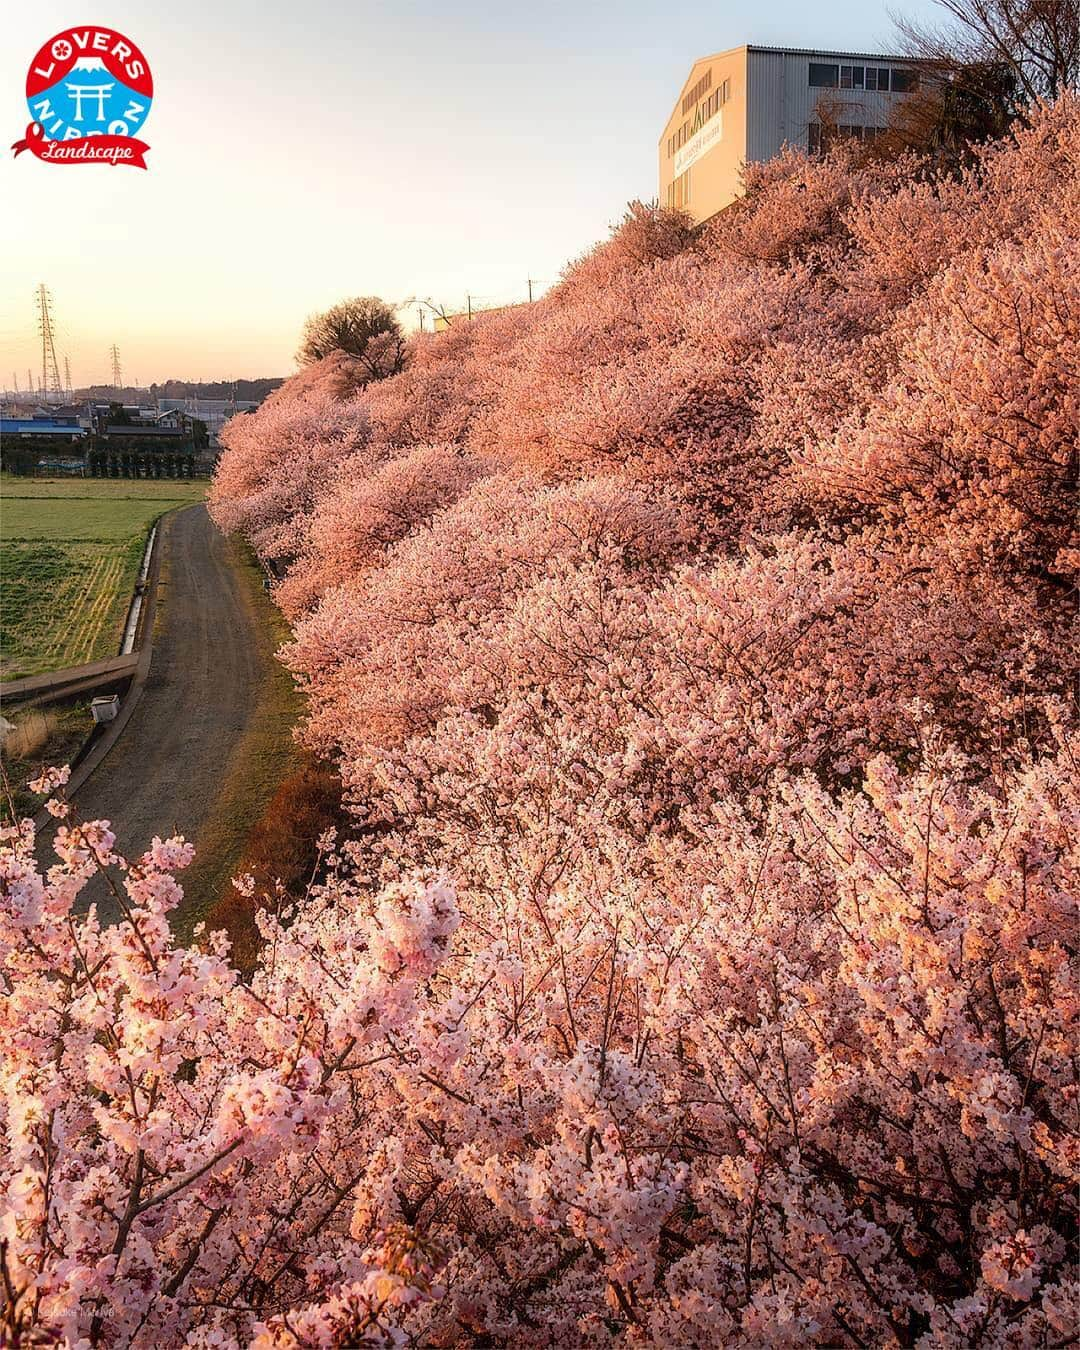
[(265, 757), (41, 737), (280, 854)]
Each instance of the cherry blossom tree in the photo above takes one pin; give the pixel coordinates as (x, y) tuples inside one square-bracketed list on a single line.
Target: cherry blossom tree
[(810, 1080), (700, 965)]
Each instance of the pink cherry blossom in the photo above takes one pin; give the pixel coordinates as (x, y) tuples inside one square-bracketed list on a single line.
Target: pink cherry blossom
[(700, 965)]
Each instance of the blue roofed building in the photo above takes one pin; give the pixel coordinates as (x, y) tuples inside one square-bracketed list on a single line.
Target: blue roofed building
[(58, 425)]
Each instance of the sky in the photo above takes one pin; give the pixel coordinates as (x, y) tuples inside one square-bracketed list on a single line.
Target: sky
[(306, 151)]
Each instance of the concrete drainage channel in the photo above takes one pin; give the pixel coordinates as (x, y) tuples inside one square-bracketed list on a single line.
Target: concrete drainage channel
[(106, 708), (131, 627)]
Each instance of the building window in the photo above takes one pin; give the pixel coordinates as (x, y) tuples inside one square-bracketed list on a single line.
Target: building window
[(824, 76), (709, 108), (678, 193), (900, 79), (693, 95), (820, 139)]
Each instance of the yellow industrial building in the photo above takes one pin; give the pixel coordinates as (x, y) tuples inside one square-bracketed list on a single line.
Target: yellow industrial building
[(742, 106)]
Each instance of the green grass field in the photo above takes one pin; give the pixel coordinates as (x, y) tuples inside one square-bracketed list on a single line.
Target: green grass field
[(69, 554)]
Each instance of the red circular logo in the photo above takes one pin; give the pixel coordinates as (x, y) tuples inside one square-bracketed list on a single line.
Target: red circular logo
[(89, 91)]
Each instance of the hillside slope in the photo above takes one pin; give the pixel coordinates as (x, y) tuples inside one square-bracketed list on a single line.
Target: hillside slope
[(706, 623)]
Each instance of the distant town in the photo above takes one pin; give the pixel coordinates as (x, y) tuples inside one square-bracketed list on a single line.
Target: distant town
[(167, 430)]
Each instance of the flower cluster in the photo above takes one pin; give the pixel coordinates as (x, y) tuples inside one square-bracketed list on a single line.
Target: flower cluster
[(809, 1079)]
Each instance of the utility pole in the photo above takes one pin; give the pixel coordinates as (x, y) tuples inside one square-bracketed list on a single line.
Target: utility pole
[(420, 314), (50, 371), (468, 303), (529, 284), (16, 379), (114, 353)]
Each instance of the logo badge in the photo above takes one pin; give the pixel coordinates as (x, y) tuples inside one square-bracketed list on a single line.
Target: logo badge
[(89, 91)]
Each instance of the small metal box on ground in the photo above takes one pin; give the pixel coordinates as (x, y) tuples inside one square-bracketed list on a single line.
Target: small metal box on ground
[(104, 709)]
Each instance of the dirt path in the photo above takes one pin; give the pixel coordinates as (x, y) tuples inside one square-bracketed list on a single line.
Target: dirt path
[(210, 738)]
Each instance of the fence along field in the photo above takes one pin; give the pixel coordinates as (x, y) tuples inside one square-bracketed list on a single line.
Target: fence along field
[(69, 555)]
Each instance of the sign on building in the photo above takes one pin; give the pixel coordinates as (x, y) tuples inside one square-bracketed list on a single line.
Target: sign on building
[(701, 142)]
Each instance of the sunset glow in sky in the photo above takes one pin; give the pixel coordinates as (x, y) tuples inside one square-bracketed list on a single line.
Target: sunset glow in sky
[(303, 152)]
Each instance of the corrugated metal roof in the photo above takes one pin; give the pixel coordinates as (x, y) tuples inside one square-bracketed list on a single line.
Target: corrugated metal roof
[(828, 51), (143, 429), (782, 51), (22, 426)]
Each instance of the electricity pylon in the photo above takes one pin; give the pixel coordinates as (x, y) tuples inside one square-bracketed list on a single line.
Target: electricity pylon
[(114, 352), (50, 371)]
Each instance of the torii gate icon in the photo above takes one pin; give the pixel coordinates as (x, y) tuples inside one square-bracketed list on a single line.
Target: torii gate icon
[(99, 91)]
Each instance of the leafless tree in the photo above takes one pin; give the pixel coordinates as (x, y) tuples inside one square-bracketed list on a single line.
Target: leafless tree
[(364, 327), (1036, 41)]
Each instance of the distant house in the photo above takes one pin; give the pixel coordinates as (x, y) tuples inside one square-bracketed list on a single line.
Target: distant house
[(173, 418), (44, 426), (212, 412), (146, 431), (23, 439), (129, 422)]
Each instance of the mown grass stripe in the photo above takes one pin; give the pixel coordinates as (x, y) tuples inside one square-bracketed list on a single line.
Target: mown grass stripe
[(66, 615), (96, 620)]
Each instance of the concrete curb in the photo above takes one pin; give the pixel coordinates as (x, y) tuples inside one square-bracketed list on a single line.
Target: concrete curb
[(76, 679)]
